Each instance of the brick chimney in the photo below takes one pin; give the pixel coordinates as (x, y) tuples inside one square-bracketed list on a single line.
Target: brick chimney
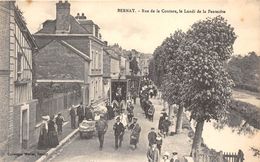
[(62, 17)]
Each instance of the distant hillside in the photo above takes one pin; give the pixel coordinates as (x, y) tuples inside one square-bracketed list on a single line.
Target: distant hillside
[(245, 71)]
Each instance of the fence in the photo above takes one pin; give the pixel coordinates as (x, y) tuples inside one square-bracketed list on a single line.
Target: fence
[(213, 156), (56, 104), (234, 157)]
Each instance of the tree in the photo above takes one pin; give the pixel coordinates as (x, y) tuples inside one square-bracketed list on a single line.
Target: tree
[(245, 71), (134, 66), (173, 80), (166, 71), (207, 86)]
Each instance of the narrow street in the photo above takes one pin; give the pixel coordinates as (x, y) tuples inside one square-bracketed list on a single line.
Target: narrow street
[(87, 150)]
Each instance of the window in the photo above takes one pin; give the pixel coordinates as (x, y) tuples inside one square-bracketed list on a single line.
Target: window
[(97, 57), (96, 88), (93, 60), (19, 65)]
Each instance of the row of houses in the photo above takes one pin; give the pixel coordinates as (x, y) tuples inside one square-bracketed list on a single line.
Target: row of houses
[(68, 49)]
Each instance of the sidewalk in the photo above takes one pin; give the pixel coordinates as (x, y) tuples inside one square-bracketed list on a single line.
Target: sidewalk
[(34, 153), (180, 143)]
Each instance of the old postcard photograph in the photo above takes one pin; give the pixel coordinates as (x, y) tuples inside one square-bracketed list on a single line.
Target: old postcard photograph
[(129, 81)]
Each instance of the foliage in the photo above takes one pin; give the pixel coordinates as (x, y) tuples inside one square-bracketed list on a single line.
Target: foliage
[(256, 151), (134, 66), (249, 112), (174, 70), (245, 71), (43, 91), (207, 86), (158, 67)]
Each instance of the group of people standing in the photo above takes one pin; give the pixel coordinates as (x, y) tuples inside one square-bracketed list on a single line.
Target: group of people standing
[(124, 121), (51, 127), (82, 113), (146, 104)]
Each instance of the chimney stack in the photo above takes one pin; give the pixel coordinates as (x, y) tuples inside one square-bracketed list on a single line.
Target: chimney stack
[(62, 17)]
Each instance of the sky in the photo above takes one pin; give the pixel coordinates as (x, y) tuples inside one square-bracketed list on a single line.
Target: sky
[(145, 31)]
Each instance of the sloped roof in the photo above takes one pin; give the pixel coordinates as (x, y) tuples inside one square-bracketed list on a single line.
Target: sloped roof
[(22, 25), (49, 27), (112, 53)]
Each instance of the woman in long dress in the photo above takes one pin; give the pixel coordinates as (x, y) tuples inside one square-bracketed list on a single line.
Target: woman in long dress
[(135, 134), (43, 137), (52, 133)]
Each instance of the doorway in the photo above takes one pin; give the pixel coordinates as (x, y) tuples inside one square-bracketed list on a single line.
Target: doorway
[(24, 126)]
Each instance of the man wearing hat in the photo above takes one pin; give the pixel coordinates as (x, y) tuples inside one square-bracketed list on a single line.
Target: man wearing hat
[(73, 117), (135, 133), (166, 157), (153, 154), (118, 132), (59, 121), (152, 137), (80, 113), (174, 157), (101, 127)]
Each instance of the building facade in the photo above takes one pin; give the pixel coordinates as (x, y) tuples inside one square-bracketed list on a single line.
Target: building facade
[(18, 108), (81, 41), (144, 60), (106, 75)]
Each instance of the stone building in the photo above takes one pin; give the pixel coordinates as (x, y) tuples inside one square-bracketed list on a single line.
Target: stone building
[(106, 74), (144, 63), (71, 50), (17, 107)]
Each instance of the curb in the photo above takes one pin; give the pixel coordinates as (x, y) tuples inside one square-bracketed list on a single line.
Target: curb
[(61, 143)]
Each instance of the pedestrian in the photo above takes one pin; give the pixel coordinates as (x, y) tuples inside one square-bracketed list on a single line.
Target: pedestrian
[(134, 97), (80, 113), (166, 157), (110, 111), (146, 108), (162, 117), (52, 133), (152, 137), (101, 127), (123, 118), (153, 154), (43, 137), (150, 112), (154, 92), (59, 122), (118, 132), (159, 142), (130, 111), (73, 117), (135, 133), (151, 93), (116, 109), (165, 126), (88, 113), (175, 157)]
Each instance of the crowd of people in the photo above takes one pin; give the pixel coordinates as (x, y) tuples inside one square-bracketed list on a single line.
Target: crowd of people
[(125, 120)]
